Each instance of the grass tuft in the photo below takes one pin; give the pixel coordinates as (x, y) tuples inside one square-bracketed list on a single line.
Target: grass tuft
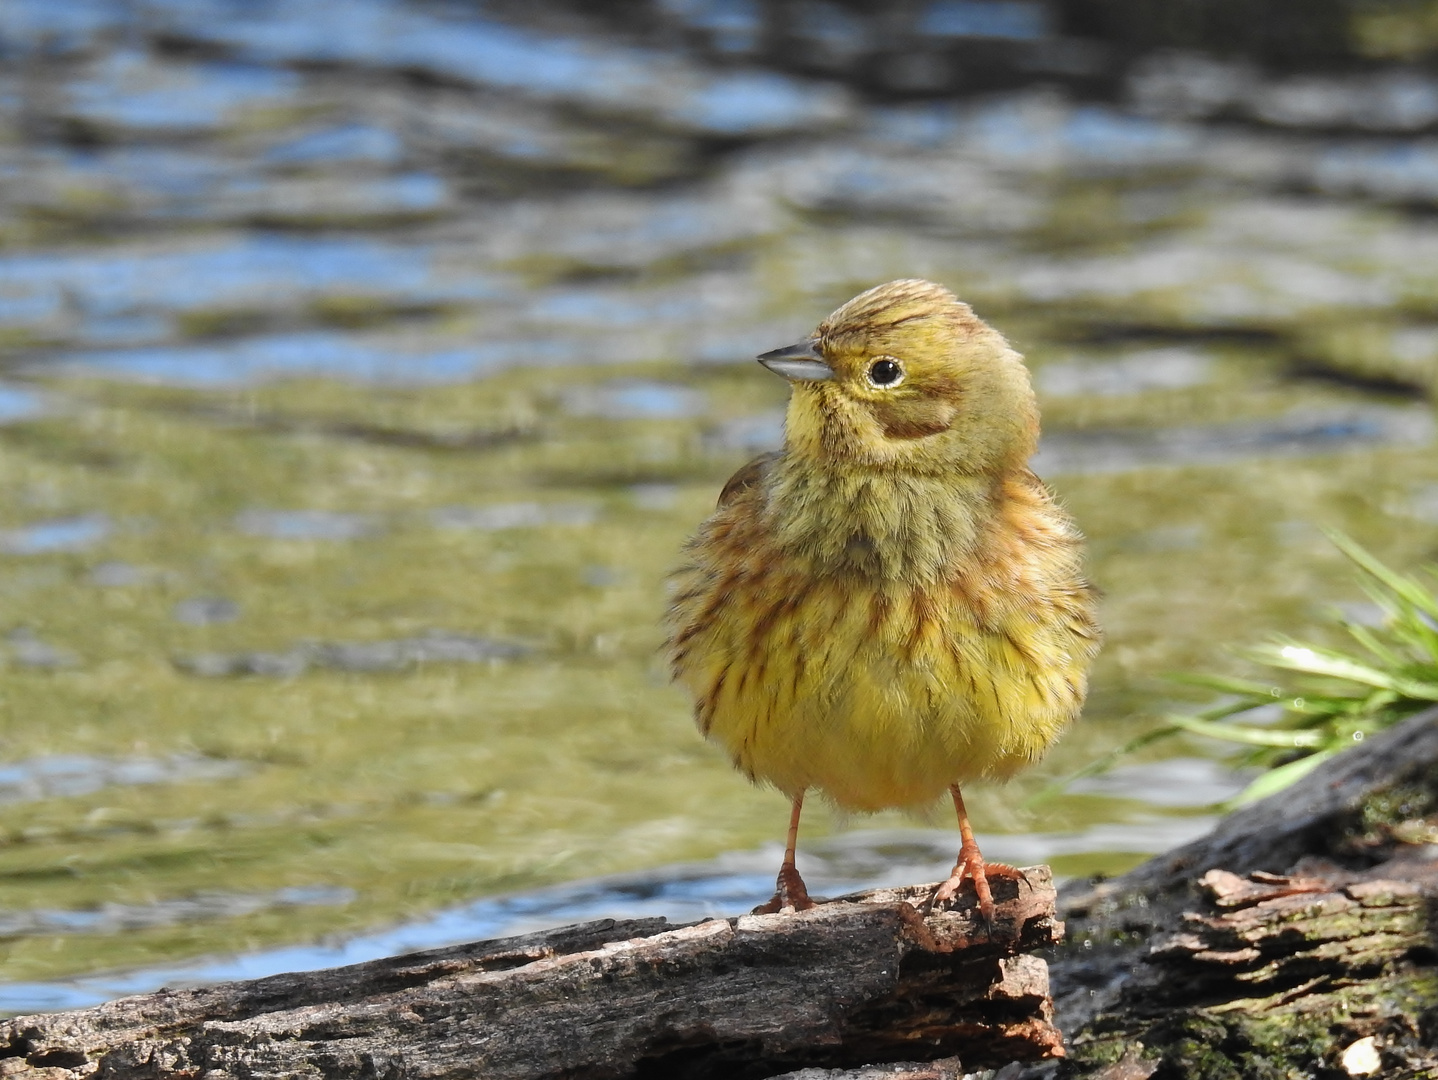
[(1326, 699)]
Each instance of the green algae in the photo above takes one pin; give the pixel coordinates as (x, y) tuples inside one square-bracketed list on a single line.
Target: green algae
[(1281, 1038), (1336, 971)]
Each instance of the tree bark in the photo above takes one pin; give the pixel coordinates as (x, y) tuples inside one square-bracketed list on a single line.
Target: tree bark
[(863, 979), (1296, 939)]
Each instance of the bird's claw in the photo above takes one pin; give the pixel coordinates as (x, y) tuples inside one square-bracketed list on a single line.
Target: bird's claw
[(971, 866), (790, 894)]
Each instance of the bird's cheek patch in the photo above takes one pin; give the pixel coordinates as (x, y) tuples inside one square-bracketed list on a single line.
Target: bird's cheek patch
[(914, 419)]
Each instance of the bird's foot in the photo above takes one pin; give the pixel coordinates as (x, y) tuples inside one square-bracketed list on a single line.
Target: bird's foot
[(971, 866), (789, 893)]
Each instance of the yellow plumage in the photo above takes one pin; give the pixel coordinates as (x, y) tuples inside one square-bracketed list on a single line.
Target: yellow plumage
[(892, 604)]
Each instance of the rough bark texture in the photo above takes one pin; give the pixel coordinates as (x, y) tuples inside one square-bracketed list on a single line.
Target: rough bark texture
[(860, 980), (1296, 939)]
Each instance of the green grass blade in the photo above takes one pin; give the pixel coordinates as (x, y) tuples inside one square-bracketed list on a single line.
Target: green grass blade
[(1409, 589), (1279, 778), (1248, 735), (1311, 660), (1365, 636)]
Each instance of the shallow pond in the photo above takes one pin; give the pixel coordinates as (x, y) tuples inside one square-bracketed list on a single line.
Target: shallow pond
[(360, 388)]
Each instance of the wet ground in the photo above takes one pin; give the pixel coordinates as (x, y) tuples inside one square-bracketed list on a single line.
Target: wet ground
[(360, 380)]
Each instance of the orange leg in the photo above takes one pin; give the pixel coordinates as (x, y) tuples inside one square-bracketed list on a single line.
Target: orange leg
[(970, 865), (789, 891)]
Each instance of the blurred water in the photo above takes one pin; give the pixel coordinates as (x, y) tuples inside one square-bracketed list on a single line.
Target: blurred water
[(1147, 369), (525, 515), (127, 90), (64, 289), (729, 885), (58, 534), (366, 366), (985, 19), (314, 353), (17, 403), (303, 524)]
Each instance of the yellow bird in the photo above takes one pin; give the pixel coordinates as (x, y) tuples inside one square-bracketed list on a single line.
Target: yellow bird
[(892, 604)]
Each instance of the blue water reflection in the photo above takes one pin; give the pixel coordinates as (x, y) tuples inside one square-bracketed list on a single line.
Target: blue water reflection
[(636, 399), (351, 143), (523, 515), (305, 524), (164, 184), (233, 273), (129, 89), (19, 403), (1301, 433), (726, 886), (40, 27), (1399, 171), (58, 534), (312, 353), (63, 776), (1036, 128), (1019, 20), (375, 33), (735, 25)]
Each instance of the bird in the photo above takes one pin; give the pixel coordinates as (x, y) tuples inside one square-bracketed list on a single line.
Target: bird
[(892, 604)]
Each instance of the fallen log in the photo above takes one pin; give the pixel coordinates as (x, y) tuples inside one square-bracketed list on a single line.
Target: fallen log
[(1296, 939), (863, 979)]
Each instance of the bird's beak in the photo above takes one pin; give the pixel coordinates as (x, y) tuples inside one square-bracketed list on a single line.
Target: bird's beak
[(801, 363)]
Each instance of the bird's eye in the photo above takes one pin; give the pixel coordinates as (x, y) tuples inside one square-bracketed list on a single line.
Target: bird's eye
[(886, 372)]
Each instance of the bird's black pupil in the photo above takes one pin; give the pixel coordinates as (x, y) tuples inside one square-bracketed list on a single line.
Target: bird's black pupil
[(884, 372)]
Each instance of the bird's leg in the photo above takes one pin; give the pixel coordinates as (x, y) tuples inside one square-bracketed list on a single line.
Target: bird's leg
[(971, 865), (789, 891)]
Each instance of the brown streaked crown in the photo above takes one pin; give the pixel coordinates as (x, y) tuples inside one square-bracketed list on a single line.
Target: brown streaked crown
[(886, 306)]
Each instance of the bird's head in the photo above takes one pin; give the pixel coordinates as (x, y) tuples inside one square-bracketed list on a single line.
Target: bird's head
[(906, 376)]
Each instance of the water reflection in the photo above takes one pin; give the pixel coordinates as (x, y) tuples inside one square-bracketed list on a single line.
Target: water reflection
[(115, 575), (375, 33), (523, 515), (26, 649), (61, 292), (723, 887), (196, 610), (352, 143), (1174, 368), (304, 524), (130, 90), (314, 353), (69, 775), (1299, 433), (364, 375), (57, 534), (636, 399), (17, 403), (360, 657), (1016, 19), (1195, 782)]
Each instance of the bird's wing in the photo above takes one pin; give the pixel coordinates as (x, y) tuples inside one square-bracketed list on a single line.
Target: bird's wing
[(747, 477)]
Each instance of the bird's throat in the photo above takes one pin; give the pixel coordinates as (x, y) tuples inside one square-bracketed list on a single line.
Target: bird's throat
[(882, 525)]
